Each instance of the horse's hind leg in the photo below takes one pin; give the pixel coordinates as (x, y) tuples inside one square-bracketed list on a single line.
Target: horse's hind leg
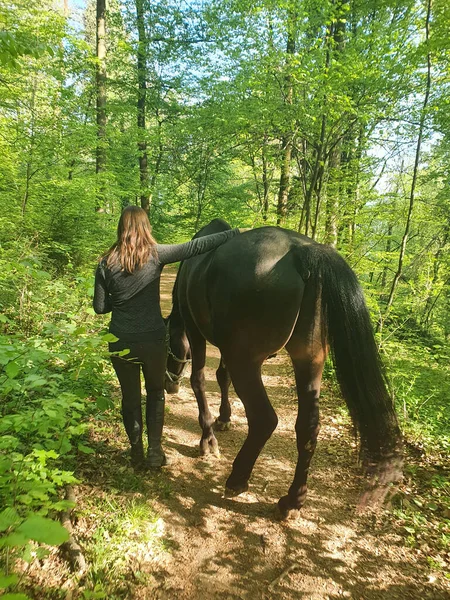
[(223, 422), (308, 375), (261, 418), (208, 442)]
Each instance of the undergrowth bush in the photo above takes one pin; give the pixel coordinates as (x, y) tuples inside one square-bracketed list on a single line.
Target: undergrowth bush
[(52, 379)]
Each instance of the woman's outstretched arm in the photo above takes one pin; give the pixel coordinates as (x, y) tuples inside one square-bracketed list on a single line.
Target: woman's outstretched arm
[(169, 253)]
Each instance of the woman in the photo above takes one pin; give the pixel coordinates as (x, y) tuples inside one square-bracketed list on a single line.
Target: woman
[(127, 283)]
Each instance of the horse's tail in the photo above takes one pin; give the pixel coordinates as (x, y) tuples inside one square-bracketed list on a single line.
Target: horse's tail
[(348, 330)]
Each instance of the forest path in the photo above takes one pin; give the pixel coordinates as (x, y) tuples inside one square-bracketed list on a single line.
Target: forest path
[(211, 547)]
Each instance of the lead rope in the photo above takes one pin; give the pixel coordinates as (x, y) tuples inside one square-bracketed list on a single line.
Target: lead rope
[(172, 377)]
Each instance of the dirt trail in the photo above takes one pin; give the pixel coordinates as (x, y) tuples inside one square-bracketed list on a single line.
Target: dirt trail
[(233, 548)]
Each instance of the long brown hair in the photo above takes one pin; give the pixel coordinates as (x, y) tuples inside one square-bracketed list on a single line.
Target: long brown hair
[(135, 242)]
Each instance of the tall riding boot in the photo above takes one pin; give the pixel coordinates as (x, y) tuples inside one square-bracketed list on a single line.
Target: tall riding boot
[(133, 427), (155, 423)]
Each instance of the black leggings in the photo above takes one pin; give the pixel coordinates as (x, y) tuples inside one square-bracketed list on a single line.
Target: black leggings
[(151, 357)]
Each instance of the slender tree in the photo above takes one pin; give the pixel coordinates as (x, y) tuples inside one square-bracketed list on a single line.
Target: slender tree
[(412, 193), (141, 105), (287, 139), (100, 164)]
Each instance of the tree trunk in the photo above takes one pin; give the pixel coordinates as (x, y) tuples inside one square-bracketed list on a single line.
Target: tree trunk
[(318, 168), (333, 192), (285, 183), (402, 254), (319, 184), (431, 299), (100, 163), (332, 203), (388, 251), (287, 140), (30, 157), (266, 181), (141, 106)]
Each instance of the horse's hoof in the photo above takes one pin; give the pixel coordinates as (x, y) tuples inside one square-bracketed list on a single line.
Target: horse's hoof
[(222, 425), (208, 447), (233, 492), (284, 510), (281, 514)]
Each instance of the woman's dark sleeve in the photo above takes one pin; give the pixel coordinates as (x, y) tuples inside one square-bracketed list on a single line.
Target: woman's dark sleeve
[(170, 253), (102, 302)]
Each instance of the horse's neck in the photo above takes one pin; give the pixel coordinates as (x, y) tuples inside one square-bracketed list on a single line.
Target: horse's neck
[(175, 318)]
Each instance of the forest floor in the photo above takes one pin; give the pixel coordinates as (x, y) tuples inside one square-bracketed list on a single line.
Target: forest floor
[(173, 534)]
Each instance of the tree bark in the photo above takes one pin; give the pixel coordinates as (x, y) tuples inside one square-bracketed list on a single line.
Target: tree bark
[(266, 181), (332, 198), (287, 140), (431, 298), (141, 106), (332, 204)]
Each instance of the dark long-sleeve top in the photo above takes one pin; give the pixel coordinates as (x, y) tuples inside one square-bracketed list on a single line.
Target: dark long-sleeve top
[(134, 298)]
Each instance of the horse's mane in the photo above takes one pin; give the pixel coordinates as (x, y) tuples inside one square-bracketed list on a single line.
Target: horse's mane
[(214, 226)]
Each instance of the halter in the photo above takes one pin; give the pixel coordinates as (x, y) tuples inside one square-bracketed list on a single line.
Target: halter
[(172, 377)]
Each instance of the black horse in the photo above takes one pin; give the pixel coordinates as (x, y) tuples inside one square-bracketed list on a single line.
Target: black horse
[(263, 290)]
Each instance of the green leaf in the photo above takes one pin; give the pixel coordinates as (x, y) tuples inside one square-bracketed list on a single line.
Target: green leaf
[(109, 337), (33, 381), (42, 553), (15, 597), (7, 580), (104, 403), (44, 530), (12, 369), (8, 518), (14, 540), (85, 449)]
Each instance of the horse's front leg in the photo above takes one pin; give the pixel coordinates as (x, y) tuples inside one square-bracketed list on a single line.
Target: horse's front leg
[(308, 379), (208, 442), (223, 422)]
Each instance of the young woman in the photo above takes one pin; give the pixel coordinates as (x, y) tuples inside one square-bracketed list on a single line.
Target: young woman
[(127, 283)]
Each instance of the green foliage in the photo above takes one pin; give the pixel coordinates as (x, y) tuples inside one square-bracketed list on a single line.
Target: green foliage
[(129, 532), (421, 511), (47, 394), (420, 379)]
